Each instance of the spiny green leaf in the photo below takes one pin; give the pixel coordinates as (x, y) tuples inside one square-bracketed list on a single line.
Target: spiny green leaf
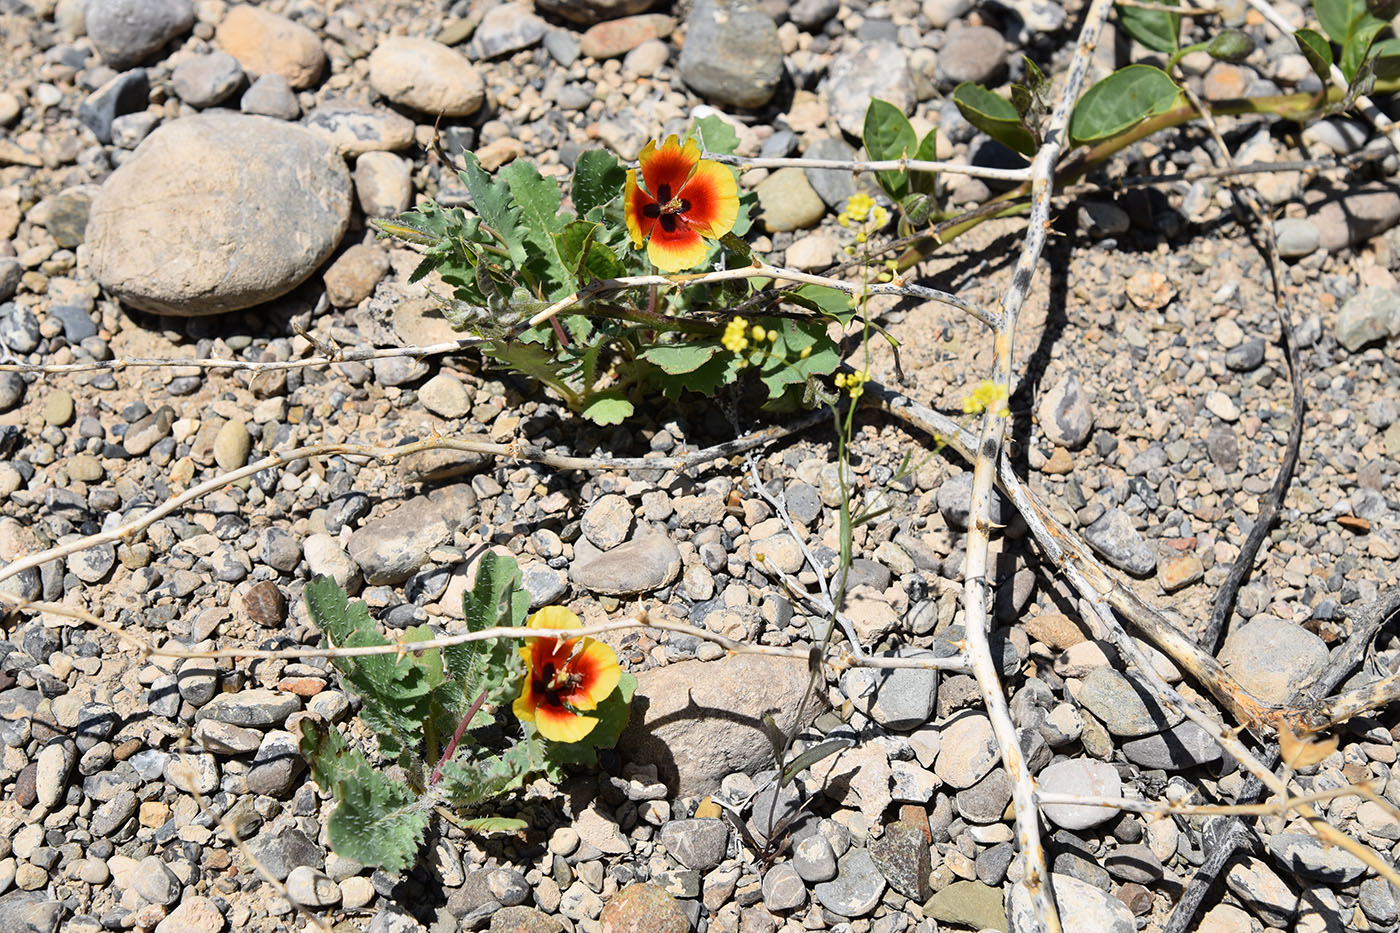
[(492, 202), (1156, 29), (377, 821), (1121, 101), (605, 408), (497, 600), (538, 199), (887, 134), (715, 135), (467, 782), (994, 115), (1318, 51), (598, 178)]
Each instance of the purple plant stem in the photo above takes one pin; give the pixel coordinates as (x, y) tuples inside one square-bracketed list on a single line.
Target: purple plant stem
[(456, 738)]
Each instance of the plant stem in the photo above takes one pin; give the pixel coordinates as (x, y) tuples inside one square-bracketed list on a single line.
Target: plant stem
[(456, 739)]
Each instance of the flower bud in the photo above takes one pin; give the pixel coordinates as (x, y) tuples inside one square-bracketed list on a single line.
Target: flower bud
[(1232, 45)]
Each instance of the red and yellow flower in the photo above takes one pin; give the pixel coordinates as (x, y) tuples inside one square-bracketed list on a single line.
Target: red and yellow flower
[(685, 200), (564, 678)]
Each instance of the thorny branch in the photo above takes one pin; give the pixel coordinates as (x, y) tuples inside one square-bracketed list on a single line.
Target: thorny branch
[(977, 593)]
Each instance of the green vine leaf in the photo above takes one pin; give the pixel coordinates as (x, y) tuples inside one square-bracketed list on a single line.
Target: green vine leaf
[(716, 136), (679, 358), (887, 134), (1121, 101), (1318, 51), (994, 115), (1338, 17), (487, 825), (605, 408), (1159, 30)]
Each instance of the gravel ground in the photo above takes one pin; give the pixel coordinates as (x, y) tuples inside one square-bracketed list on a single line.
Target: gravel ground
[(189, 181)]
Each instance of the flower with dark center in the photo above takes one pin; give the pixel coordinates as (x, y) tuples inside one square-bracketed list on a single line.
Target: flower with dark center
[(564, 679), (686, 199)]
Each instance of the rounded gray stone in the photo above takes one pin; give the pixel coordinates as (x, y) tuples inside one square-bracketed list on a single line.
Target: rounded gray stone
[(127, 32), (1085, 777), (857, 887), (732, 55), (218, 212)]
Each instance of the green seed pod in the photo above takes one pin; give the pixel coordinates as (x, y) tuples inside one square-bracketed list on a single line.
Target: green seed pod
[(916, 208), (1232, 45)]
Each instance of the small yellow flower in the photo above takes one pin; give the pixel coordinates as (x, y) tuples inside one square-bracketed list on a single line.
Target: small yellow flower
[(858, 206), (758, 333), (734, 339), (806, 352), (988, 394), (879, 216)]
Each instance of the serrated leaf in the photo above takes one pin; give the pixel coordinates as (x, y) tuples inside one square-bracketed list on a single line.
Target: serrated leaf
[(605, 408), (492, 202), (332, 760), (491, 667), (811, 756), (1318, 51), (715, 135), (994, 115), (538, 200), (1156, 29), (680, 358), (467, 782), (394, 689), (1121, 101), (887, 134), (598, 178), (377, 821)]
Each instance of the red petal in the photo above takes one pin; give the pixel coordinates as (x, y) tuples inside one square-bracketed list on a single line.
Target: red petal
[(714, 199), (559, 725), (597, 669), (670, 165), (638, 224), (675, 250)]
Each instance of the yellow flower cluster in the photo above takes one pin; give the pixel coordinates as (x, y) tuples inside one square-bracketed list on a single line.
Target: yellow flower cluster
[(739, 336), (868, 216), (853, 383), (735, 338), (985, 396)]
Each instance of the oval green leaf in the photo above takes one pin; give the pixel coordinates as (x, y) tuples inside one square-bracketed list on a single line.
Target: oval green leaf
[(887, 134), (1318, 51), (1159, 30), (993, 115), (1121, 101)]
